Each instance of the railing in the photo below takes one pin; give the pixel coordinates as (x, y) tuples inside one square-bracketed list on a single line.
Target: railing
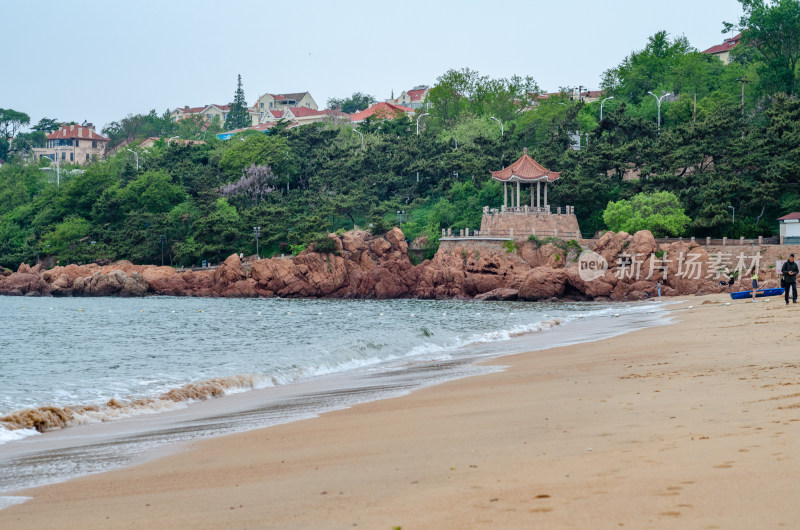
[(525, 209), (706, 241), (466, 233)]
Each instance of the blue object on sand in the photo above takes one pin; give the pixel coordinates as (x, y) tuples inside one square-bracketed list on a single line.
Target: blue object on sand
[(777, 291)]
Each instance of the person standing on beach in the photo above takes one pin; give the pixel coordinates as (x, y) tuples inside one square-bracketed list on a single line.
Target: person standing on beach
[(789, 271), (755, 283), (658, 287)]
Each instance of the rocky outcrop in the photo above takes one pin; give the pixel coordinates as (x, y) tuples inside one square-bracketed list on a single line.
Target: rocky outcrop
[(367, 266)]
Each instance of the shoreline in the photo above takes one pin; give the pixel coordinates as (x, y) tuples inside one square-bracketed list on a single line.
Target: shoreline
[(699, 431), (116, 442)]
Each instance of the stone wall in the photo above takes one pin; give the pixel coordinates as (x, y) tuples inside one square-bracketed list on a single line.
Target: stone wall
[(524, 224)]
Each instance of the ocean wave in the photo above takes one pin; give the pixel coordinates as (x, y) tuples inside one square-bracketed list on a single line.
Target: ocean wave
[(46, 418), (29, 421)]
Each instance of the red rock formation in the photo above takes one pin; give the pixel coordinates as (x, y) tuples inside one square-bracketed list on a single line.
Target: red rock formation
[(366, 266)]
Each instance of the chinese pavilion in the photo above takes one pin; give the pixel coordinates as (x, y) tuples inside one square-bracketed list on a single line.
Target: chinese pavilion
[(529, 171)]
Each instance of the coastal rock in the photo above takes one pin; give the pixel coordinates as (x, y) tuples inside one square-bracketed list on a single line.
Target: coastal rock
[(23, 283), (499, 294), (543, 283), (368, 266), (231, 271)]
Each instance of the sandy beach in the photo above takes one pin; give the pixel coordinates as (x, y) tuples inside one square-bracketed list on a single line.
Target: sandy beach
[(691, 425)]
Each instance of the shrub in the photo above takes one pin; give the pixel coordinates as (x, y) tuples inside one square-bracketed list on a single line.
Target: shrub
[(510, 246), (379, 226), (297, 249), (323, 244)]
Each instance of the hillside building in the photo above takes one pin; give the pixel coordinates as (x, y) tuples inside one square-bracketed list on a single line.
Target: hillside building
[(74, 144)]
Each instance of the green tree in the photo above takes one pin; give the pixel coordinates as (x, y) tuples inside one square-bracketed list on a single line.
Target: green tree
[(238, 116), (46, 125), (772, 28), (661, 213), (356, 102)]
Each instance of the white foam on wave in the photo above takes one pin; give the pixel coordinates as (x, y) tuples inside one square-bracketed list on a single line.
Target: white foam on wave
[(8, 435), (6, 501)]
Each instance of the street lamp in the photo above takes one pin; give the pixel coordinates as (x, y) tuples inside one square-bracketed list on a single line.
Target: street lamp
[(420, 116), (257, 234), (733, 221), (137, 157), (58, 167), (498, 121), (173, 138), (361, 135), (658, 101), (162, 238), (601, 106)]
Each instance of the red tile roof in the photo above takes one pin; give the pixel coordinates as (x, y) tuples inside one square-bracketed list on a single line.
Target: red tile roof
[(75, 131), (525, 169), (725, 46), (304, 111), (790, 217), (276, 113), (381, 110), (190, 110)]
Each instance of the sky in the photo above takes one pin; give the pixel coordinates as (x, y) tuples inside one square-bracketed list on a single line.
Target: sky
[(100, 60)]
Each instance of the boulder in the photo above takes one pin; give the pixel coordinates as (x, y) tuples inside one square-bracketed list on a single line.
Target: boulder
[(543, 283), (231, 271)]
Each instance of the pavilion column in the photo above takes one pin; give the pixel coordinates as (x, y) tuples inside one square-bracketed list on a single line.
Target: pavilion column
[(505, 194), (545, 195), (538, 194), (532, 205), (518, 189)]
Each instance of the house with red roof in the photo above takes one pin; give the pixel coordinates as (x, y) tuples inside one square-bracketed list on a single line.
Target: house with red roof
[(267, 102), (790, 228), (723, 51), (209, 112), (74, 144), (414, 98), (382, 111)]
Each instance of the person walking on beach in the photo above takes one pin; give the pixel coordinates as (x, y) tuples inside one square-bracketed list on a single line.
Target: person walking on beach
[(755, 283), (658, 288), (789, 271)]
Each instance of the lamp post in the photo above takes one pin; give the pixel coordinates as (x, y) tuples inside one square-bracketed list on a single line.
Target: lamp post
[(658, 101), (162, 238), (601, 106), (498, 121), (361, 135), (733, 221), (58, 167), (420, 116), (257, 234), (173, 138), (137, 157)]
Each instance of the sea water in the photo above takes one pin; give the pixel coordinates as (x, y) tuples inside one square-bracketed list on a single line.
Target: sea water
[(109, 380)]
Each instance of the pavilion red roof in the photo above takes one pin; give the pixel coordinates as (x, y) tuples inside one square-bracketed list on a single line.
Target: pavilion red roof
[(791, 217), (526, 169)]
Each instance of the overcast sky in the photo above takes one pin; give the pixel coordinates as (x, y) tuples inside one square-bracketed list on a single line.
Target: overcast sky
[(99, 60)]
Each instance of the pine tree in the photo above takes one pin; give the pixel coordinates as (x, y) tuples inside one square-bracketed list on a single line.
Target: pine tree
[(238, 117)]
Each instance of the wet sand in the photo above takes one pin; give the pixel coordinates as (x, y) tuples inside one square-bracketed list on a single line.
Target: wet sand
[(692, 425)]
